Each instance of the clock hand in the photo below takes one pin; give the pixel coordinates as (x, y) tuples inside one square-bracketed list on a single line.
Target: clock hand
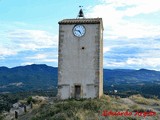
[(79, 31)]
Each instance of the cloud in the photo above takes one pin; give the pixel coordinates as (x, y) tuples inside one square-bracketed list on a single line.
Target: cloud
[(38, 56), (5, 51), (50, 60), (27, 63), (32, 39), (106, 49), (20, 40), (45, 57), (134, 63), (134, 7), (141, 53), (130, 40), (26, 46), (41, 57), (114, 13), (151, 62)]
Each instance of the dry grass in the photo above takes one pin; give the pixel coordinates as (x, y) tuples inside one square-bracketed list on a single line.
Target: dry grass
[(80, 110), (89, 109), (141, 100)]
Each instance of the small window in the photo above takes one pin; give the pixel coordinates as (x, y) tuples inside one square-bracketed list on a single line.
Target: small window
[(83, 48)]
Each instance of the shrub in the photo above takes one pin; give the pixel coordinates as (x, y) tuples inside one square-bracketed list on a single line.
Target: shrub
[(136, 108), (140, 100)]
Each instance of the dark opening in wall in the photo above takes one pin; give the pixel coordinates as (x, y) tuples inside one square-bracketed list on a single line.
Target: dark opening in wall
[(83, 48)]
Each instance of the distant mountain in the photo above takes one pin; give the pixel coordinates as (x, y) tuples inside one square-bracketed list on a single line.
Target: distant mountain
[(129, 82), (132, 76), (30, 77), (43, 77)]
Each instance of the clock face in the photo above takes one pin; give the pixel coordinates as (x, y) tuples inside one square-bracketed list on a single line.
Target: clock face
[(79, 30)]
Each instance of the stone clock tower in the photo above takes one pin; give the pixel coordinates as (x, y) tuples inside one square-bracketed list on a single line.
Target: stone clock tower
[(80, 60)]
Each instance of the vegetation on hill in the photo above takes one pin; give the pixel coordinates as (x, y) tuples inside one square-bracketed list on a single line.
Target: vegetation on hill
[(94, 109), (27, 78), (134, 107), (8, 99)]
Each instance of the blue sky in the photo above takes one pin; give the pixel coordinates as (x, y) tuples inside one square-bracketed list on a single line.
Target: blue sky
[(29, 31)]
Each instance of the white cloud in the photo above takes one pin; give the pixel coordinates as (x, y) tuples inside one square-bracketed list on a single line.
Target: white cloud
[(38, 56), (135, 7), (19, 40), (32, 39), (4, 51), (114, 64), (27, 63), (129, 38), (43, 57), (106, 49), (114, 12), (50, 60), (134, 30), (150, 62), (134, 63), (134, 55)]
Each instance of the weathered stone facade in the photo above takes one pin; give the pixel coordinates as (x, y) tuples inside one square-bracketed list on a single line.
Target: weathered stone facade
[(80, 60)]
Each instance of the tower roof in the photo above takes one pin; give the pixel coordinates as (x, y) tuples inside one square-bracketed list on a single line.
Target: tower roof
[(81, 21)]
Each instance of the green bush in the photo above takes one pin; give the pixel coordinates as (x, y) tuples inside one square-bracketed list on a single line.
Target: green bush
[(136, 108), (86, 109)]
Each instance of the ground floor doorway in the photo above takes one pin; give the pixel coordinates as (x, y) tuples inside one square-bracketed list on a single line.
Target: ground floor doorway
[(77, 91)]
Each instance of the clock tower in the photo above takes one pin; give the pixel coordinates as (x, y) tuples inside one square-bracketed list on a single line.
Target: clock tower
[(80, 58)]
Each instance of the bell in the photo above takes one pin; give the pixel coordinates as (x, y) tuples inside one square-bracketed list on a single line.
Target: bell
[(81, 13)]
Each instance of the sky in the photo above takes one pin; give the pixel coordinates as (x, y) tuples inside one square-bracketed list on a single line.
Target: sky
[(29, 31)]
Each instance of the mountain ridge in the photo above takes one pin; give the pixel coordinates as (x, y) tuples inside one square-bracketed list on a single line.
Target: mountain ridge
[(43, 77), (141, 69)]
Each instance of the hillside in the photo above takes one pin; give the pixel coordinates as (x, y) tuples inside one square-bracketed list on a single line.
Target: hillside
[(43, 77), (135, 107), (24, 78), (132, 76)]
